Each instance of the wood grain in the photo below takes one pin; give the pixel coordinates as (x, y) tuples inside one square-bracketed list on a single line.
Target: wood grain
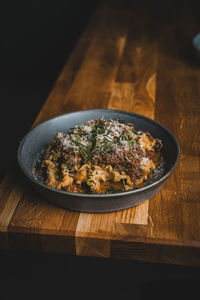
[(92, 85), (134, 57), (180, 196)]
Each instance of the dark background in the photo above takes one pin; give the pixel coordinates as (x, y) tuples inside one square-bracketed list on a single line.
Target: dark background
[(36, 40)]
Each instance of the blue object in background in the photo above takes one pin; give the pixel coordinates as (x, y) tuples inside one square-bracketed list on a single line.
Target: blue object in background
[(196, 45)]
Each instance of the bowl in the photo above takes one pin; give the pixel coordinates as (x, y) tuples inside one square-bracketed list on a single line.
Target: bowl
[(196, 45), (31, 145)]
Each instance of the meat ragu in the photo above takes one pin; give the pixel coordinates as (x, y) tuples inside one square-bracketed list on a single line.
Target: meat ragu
[(100, 156)]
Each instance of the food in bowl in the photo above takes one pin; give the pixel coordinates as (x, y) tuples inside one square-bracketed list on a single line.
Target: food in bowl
[(100, 156)]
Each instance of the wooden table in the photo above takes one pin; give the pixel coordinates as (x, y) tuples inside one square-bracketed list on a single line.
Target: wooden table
[(137, 58)]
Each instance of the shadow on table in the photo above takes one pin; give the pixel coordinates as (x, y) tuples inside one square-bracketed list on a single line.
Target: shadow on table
[(48, 276), (180, 288)]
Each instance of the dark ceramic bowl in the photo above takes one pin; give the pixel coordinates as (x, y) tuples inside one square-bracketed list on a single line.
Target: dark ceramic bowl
[(37, 138), (196, 46)]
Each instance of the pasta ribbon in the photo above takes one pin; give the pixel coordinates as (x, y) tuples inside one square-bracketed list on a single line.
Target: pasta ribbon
[(82, 173), (146, 143), (53, 178)]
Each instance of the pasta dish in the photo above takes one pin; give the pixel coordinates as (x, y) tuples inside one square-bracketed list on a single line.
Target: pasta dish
[(100, 156)]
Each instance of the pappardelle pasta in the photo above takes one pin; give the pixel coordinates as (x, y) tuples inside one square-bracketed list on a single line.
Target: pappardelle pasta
[(100, 156)]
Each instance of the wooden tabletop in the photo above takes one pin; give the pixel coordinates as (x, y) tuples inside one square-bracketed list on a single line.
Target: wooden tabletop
[(135, 57)]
